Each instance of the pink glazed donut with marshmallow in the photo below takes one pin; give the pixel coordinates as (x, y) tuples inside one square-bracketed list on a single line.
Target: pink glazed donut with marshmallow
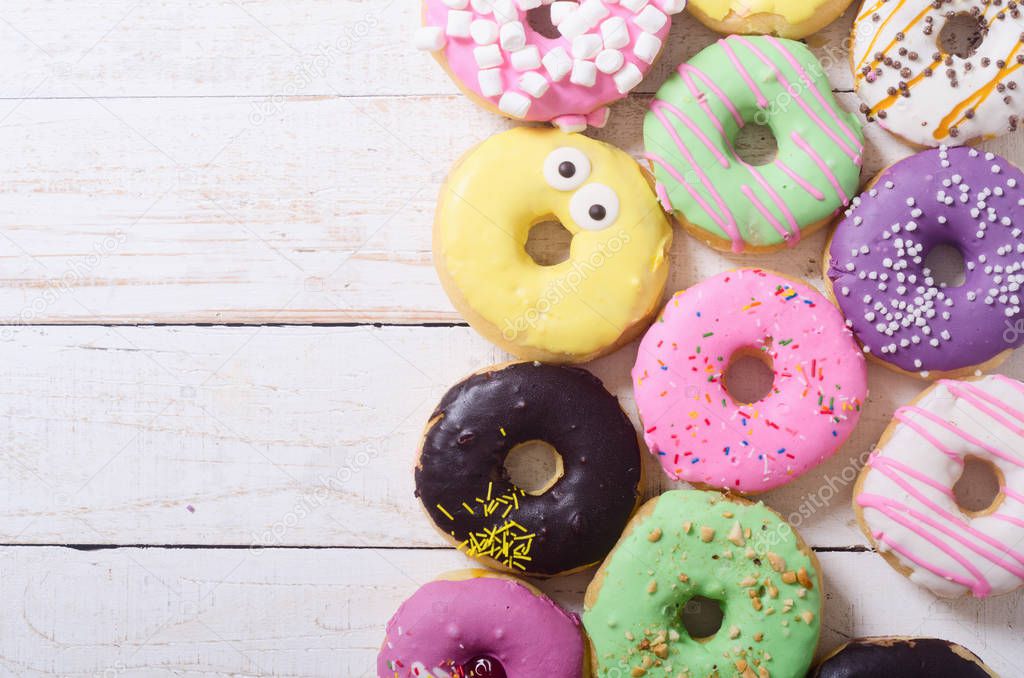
[(603, 50)]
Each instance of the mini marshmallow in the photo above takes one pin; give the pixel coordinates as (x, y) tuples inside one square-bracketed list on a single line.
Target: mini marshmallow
[(574, 25), (615, 33), (488, 56), (484, 32), (558, 64), (593, 11), (651, 19), (456, 4), (672, 6), (633, 5), (534, 84), (647, 47), (583, 73), (482, 6), (525, 59), (514, 104), (628, 78), (490, 82), (560, 10), (430, 38), (513, 36), (610, 61), (504, 11), (527, 5), (459, 22), (586, 46)]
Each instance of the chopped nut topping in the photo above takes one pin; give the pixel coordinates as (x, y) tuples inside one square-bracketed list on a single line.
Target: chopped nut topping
[(736, 534)]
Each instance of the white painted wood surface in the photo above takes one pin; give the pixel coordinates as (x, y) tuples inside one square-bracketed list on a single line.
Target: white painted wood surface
[(263, 162)]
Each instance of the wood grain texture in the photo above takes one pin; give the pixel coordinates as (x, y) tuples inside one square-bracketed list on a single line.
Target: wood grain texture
[(196, 48), (320, 613), (249, 204), (269, 161), (281, 436)]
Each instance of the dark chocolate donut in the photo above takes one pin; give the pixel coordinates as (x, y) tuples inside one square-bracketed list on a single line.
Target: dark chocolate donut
[(462, 482), (896, 657)]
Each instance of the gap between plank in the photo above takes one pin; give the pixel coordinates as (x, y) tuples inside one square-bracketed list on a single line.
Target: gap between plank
[(306, 547)]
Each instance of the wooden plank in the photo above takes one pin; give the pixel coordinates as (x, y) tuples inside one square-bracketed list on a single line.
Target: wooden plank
[(279, 435), (156, 210), (315, 613), (259, 47)]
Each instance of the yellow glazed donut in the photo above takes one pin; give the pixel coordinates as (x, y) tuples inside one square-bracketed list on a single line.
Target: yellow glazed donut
[(608, 289), (793, 19)]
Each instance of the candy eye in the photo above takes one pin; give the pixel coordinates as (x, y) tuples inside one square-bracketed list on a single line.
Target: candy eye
[(565, 169), (595, 206)]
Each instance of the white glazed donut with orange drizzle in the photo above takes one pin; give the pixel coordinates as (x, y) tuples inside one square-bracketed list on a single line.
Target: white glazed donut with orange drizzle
[(926, 95), (904, 497), (602, 50)]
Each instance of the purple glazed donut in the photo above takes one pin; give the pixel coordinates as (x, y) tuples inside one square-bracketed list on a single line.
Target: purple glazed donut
[(478, 624), (960, 197)]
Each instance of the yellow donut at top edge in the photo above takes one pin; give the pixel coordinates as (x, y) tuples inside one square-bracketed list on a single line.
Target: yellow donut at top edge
[(608, 289), (793, 19)]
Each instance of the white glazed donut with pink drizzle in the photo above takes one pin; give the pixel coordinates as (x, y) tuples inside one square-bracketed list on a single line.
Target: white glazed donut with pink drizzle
[(904, 497), (603, 50)]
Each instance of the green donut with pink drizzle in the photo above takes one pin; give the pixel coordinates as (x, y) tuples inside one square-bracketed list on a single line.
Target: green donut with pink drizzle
[(690, 135)]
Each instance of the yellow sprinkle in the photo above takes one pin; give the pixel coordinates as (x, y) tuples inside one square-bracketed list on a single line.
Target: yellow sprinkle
[(502, 432), (490, 486), (441, 508), (468, 508)]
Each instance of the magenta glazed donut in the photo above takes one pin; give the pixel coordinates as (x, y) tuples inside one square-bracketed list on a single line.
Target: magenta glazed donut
[(475, 623), (692, 423), (602, 50)]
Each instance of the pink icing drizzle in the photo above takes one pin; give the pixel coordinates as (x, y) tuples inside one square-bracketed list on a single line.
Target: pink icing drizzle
[(961, 532)]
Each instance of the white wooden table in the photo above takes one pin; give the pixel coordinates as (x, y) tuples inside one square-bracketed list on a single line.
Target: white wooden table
[(224, 335)]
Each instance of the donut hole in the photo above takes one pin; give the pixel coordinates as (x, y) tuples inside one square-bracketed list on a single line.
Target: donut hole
[(755, 144), (483, 666), (702, 618), (945, 264), (749, 376), (962, 34), (548, 243), (539, 20), (534, 466), (977, 491)]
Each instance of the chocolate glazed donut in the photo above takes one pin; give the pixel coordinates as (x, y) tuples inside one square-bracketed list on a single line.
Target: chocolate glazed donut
[(463, 484), (898, 657)]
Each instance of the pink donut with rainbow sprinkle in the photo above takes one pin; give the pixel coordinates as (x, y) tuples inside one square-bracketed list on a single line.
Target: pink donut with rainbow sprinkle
[(692, 422), (602, 50)]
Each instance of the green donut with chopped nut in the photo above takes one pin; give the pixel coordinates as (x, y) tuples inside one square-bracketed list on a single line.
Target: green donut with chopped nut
[(690, 543)]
